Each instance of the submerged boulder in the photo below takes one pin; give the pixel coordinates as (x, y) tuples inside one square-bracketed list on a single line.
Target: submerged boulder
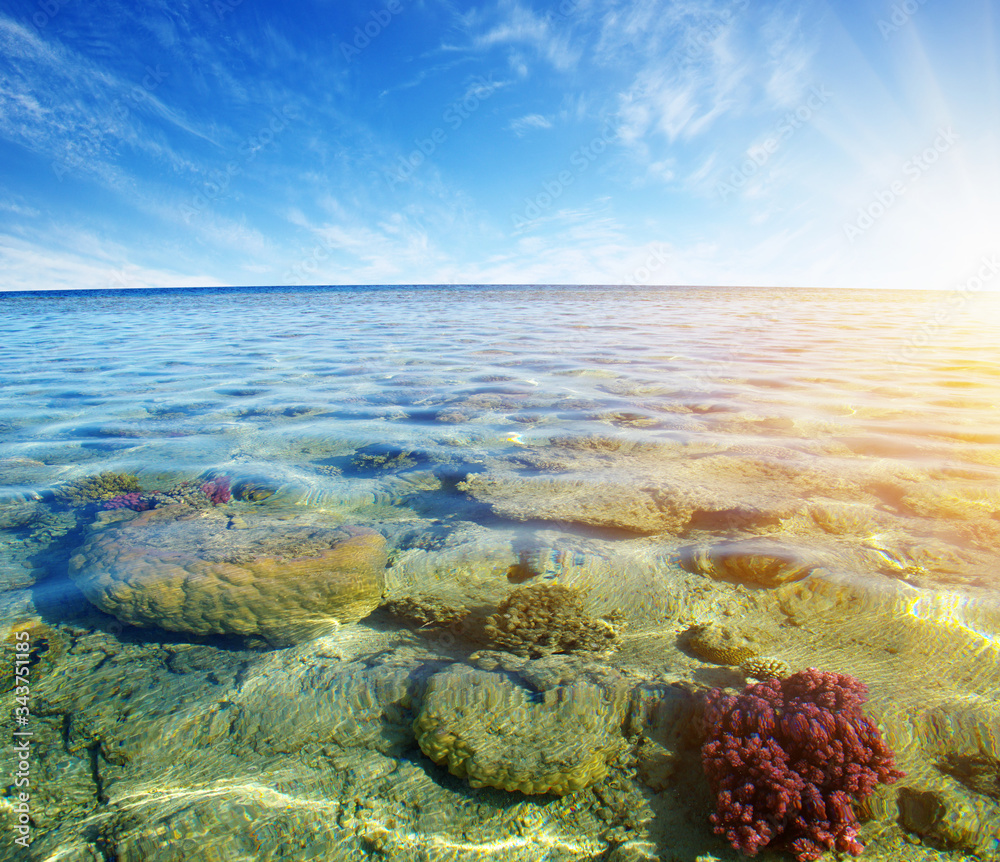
[(206, 571), (642, 503)]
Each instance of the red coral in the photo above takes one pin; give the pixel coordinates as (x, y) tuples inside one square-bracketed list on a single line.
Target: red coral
[(217, 490), (785, 759)]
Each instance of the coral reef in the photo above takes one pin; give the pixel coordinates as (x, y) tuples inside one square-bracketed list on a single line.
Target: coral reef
[(254, 490), (486, 728), (786, 758), (765, 667), (579, 501), (763, 562), (542, 619), (381, 457), (201, 494), (291, 702), (90, 489), (46, 646), (425, 612), (134, 500), (720, 644), (122, 491), (847, 519), (653, 491), (20, 514), (217, 490), (184, 569), (186, 493)]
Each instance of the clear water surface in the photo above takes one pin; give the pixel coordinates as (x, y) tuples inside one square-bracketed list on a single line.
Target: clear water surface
[(817, 471)]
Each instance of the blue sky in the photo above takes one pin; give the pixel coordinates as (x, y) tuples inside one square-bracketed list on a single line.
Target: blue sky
[(206, 142)]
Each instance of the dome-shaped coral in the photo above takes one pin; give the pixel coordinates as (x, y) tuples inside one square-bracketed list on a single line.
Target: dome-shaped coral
[(183, 569), (493, 732)]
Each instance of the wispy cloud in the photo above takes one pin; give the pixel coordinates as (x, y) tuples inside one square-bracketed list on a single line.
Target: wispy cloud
[(522, 125), (19, 209), (82, 117), (789, 55), (513, 25)]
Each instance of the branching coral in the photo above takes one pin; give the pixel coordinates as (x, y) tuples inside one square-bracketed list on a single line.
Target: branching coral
[(543, 619), (217, 490), (786, 758), (90, 489), (134, 500)]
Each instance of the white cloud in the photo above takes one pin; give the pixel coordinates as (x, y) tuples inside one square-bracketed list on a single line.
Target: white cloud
[(662, 170), (28, 265)]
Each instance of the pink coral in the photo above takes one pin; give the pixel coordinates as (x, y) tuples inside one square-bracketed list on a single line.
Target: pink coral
[(134, 500), (786, 758)]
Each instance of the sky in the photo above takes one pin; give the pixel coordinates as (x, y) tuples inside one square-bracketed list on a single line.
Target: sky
[(715, 142)]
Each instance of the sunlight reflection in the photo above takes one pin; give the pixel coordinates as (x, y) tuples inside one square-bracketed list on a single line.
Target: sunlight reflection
[(953, 610)]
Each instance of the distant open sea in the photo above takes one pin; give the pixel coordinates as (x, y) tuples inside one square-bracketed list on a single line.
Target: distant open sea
[(816, 471)]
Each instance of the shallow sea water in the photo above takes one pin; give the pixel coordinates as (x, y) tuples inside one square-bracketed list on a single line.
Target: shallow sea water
[(817, 471)]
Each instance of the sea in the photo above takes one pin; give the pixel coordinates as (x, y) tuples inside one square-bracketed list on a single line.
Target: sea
[(812, 476)]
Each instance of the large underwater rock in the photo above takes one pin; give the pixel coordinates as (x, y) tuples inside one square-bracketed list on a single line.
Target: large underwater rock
[(209, 571), (642, 504)]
